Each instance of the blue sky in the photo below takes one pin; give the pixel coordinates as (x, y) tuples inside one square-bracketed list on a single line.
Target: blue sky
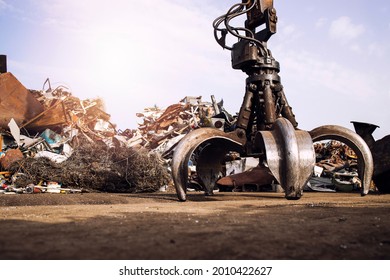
[(334, 55)]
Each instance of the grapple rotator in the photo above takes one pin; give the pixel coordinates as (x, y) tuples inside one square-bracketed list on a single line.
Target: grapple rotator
[(266, 127)]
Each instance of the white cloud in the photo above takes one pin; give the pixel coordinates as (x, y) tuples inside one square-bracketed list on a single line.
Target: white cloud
[(355, 48), (134, 54), (330, 75), (288, 30), (344, 30), (3, 5), (376, 49), (10, 7), (322, 90), (321, 22)]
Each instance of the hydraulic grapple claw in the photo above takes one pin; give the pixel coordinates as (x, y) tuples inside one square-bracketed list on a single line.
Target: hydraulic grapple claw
[(266, 127), (356, 143), (289, 154), (210, 146)]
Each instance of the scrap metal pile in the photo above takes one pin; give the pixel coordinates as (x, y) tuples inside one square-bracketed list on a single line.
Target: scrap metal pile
[(336, 168), (51, 141), (161, 129)]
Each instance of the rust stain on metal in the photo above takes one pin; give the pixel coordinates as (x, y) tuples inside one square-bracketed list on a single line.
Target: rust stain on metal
[(16, 101)]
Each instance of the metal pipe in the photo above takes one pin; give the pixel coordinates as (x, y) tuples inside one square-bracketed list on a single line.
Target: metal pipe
[(245, 110), (286, 109), (269, 105)]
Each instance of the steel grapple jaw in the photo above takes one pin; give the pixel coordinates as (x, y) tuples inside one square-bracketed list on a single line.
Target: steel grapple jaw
[(210, 147), (266, 128), (356, 143), (289, 155), (287, 152)]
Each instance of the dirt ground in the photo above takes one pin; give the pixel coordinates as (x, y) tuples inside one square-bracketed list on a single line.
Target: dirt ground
[(228, 225)]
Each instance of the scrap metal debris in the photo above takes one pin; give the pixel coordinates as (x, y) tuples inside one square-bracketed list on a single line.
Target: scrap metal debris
[(51, 138), (381, 155), (160, 129), (53, 142), (380, 150), (94, 166), (336, 168)]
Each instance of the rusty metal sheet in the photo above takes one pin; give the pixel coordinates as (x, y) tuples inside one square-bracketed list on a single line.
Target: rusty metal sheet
[(16, 101), (11, 156), (170, 114), (258, 175), (51, 117)]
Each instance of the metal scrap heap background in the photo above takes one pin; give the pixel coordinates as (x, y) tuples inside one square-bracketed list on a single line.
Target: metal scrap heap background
[(51, 138), (53, 141)]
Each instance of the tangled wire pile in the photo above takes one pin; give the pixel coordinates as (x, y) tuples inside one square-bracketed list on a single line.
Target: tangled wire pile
[(94, 166)]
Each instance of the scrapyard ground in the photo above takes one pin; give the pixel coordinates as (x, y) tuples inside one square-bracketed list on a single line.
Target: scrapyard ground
[(253, 225)]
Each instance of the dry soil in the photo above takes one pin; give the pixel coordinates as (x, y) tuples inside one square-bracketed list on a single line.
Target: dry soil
[(225, 226)]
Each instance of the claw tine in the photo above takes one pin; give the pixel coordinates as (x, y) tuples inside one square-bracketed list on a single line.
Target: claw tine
[(290, 156), (210, 161), (186, 147), (356, 143)]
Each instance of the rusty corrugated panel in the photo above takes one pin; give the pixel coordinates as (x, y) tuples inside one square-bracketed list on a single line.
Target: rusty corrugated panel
[(16, 101)]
